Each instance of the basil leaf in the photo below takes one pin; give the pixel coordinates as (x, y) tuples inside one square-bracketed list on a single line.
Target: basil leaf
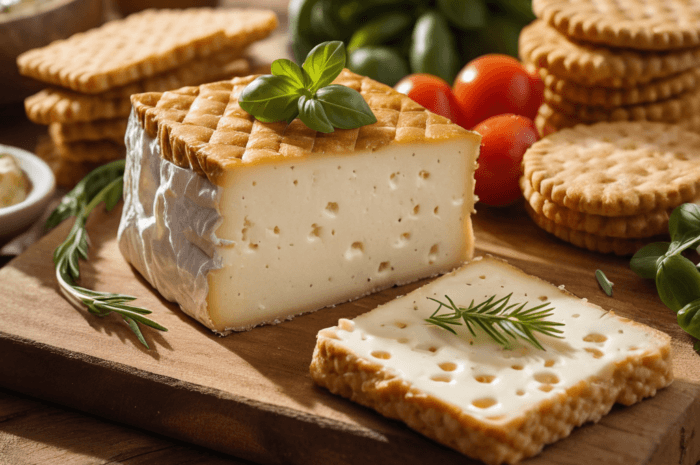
[(644, 261), (605, 284), (313, 115), (270, 98), (345, 107), (324, 63), (689, 318), (288, 68), (677, 282), (684, 222)]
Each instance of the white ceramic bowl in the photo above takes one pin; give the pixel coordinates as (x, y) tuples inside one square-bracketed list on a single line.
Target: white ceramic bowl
[(17, 218)]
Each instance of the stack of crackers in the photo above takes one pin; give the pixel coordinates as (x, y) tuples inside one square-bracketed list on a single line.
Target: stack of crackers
[(610, 187), (91, 76), (608, 60)]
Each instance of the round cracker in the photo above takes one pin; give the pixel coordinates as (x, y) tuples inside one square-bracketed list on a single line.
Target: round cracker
[(591, 242), (636, 24), (550, 120), (671, 110), (593, 65), (627, 227), (615, 169), (607, 97)]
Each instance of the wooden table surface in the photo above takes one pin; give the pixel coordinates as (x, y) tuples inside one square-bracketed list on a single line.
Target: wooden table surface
[(38, 432), (34, 431)]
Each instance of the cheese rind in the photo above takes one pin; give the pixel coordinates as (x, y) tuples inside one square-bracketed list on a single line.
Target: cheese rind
[(469, 393), (274, 240)]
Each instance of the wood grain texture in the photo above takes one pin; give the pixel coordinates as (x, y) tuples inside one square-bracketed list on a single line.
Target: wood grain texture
[(250, 394)]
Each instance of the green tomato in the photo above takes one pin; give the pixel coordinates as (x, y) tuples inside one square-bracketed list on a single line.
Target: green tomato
[(383, 64), (433, 48)]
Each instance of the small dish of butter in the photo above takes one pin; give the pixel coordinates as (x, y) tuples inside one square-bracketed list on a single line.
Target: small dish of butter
[(26, 186)]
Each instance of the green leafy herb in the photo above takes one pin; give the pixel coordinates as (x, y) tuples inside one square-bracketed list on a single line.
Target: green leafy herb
[(500, 319), (677, 278), (292, 91), (604, 282), (104, 184)]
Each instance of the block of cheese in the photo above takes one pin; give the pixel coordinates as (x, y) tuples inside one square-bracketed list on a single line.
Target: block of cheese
[(469, 393), (244, 223)]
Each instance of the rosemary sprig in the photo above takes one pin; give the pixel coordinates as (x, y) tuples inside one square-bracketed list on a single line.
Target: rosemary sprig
[(499, 319), (104, 184)]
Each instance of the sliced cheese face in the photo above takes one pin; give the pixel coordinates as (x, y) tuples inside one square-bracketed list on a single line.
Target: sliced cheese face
[(275, 240), (482, 379)]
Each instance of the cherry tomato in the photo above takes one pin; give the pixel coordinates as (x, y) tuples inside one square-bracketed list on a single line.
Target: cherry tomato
[(504, 139), (433, 93), (496, 84)]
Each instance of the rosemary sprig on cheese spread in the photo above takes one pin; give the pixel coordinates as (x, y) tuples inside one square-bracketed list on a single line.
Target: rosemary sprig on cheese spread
[(102, 185), (499, 319)]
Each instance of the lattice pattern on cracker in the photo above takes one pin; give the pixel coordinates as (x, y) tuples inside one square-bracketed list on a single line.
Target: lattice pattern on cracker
[(142, 45), (203, 128), (637, 24), (593, 65), (613, 169)]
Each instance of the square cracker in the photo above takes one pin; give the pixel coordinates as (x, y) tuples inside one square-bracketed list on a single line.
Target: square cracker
[(142, 45)]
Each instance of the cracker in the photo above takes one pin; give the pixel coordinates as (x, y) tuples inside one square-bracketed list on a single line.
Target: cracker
[(593, 65), (636, 226), (100, 151), (54, 105), (606, 97), (637, 24), (550, 120), (615, 169), (67, 173), (143, 45), (671, 110), (112, 130), (588, 241)]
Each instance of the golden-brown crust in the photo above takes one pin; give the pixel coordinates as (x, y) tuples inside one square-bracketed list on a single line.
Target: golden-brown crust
[(112, 130), (653, 223), (610, 97), (68, 173), (671, 110), (592, 65), (205, 129), (54, 105), (593, 242), (636, 24), (615, 169), (142, 45), (344, 373), (99, 151)]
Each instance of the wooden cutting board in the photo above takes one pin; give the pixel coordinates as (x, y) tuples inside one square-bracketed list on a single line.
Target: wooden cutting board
[(250, 394)]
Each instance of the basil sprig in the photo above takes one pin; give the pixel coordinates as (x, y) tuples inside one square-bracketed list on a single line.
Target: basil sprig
[(677, 278), (306, 92)]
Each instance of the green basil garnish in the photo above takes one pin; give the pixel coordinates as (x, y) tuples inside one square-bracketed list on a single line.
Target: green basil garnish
[(305, 91)]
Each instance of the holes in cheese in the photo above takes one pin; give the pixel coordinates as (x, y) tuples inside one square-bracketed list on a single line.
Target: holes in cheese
[(484, 402), (441, 378), (381, 354), (416, 210), (546, 378), (332, 209), (384, 267), (486, 379), (424, 174), (448, 366), (595, 337), (315, 233)]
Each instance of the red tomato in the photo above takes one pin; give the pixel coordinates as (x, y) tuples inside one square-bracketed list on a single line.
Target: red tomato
[(496, 84), (504, 139), (433, 93)]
